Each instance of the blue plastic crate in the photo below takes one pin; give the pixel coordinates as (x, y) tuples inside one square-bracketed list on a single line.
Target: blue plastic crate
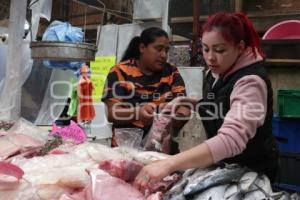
[(287, 133), (282, 186), (288, 176)]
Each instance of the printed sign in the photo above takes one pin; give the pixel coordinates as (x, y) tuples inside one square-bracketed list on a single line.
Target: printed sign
[(100, 68)]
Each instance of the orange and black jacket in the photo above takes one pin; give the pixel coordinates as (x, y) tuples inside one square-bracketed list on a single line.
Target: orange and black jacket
[(126, 84)]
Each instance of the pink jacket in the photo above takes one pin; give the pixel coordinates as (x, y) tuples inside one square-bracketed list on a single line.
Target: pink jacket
[(248, 107)]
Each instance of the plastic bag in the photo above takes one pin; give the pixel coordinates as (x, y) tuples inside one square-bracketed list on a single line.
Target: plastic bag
[(23, 138), (129, 137), (22, 126), (71, 133), (159, 136), (72, 65), (64, 32)]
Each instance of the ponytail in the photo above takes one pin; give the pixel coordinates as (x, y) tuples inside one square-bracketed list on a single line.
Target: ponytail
[(251, 37), (147, 37), (133, 50)]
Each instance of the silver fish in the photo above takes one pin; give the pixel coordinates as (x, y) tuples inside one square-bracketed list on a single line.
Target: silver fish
[(176, 192), (282, 196), (295, 196), (244, 186), (246, 181), (257, 195), (232, 192), (263, 184), (220, 176), (214, 193)]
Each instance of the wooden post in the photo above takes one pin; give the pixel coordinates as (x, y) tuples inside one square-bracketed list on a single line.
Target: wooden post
[(196, 13), (238, 5)]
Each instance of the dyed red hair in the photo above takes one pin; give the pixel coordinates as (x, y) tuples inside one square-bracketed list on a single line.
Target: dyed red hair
[(235, 27)]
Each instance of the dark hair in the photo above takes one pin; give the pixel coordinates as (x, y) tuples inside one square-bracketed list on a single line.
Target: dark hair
[(235, 27), (147, 36)]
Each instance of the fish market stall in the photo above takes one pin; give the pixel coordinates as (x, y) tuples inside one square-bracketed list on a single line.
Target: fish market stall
[(58, 140), (52, 167)]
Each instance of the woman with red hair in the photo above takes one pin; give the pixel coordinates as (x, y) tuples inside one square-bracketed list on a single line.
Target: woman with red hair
[(236, 109)]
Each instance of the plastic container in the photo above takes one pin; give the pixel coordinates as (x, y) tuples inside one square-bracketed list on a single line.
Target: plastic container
[(287, 133), (288, 103), (289, 29)]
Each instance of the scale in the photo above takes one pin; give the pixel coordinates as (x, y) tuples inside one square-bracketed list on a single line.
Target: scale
[(62, 51), (65, 51)]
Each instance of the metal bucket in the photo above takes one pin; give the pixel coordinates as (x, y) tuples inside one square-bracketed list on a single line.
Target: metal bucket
[(54, 50)]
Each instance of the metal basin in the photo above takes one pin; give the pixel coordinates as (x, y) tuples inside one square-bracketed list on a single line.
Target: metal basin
[(54, 50)]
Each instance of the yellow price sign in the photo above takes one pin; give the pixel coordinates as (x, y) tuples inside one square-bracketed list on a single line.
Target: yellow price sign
[(100, 68)]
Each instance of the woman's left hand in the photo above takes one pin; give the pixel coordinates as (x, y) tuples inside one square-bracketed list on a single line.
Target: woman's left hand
[(171, 106), (152, 173)]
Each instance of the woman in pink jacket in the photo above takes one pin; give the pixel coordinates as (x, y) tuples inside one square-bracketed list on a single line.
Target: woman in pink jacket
[(236, 108)]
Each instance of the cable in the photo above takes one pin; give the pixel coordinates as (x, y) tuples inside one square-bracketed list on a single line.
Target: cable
[(104, 6), (112, 13), (105, 10), (31, 4), (100, 27), (122, 12), (101, 24), (84, 24)]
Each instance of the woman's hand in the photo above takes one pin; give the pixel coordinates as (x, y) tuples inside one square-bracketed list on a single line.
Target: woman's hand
[(183, 112), (171, 107), (146, 113), (152, 173)]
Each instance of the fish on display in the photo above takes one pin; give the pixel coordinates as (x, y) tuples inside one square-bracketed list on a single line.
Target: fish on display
[(213, 193), (220, 176), (232, 192), (231, 182), (176, 192)]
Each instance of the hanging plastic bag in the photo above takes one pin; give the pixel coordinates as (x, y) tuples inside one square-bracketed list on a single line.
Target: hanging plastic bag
[(22, 126), (64, 32)]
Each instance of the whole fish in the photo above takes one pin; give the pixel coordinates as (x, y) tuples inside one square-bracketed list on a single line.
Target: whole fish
[(214, 193), (176, 192), (282, 196), (220, 176), (246, 181), (263, 184), (295, 196), (257, 195), (232, 192)]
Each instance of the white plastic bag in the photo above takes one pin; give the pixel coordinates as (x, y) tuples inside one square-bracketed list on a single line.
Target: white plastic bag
[(159, 136), (129, 137)]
